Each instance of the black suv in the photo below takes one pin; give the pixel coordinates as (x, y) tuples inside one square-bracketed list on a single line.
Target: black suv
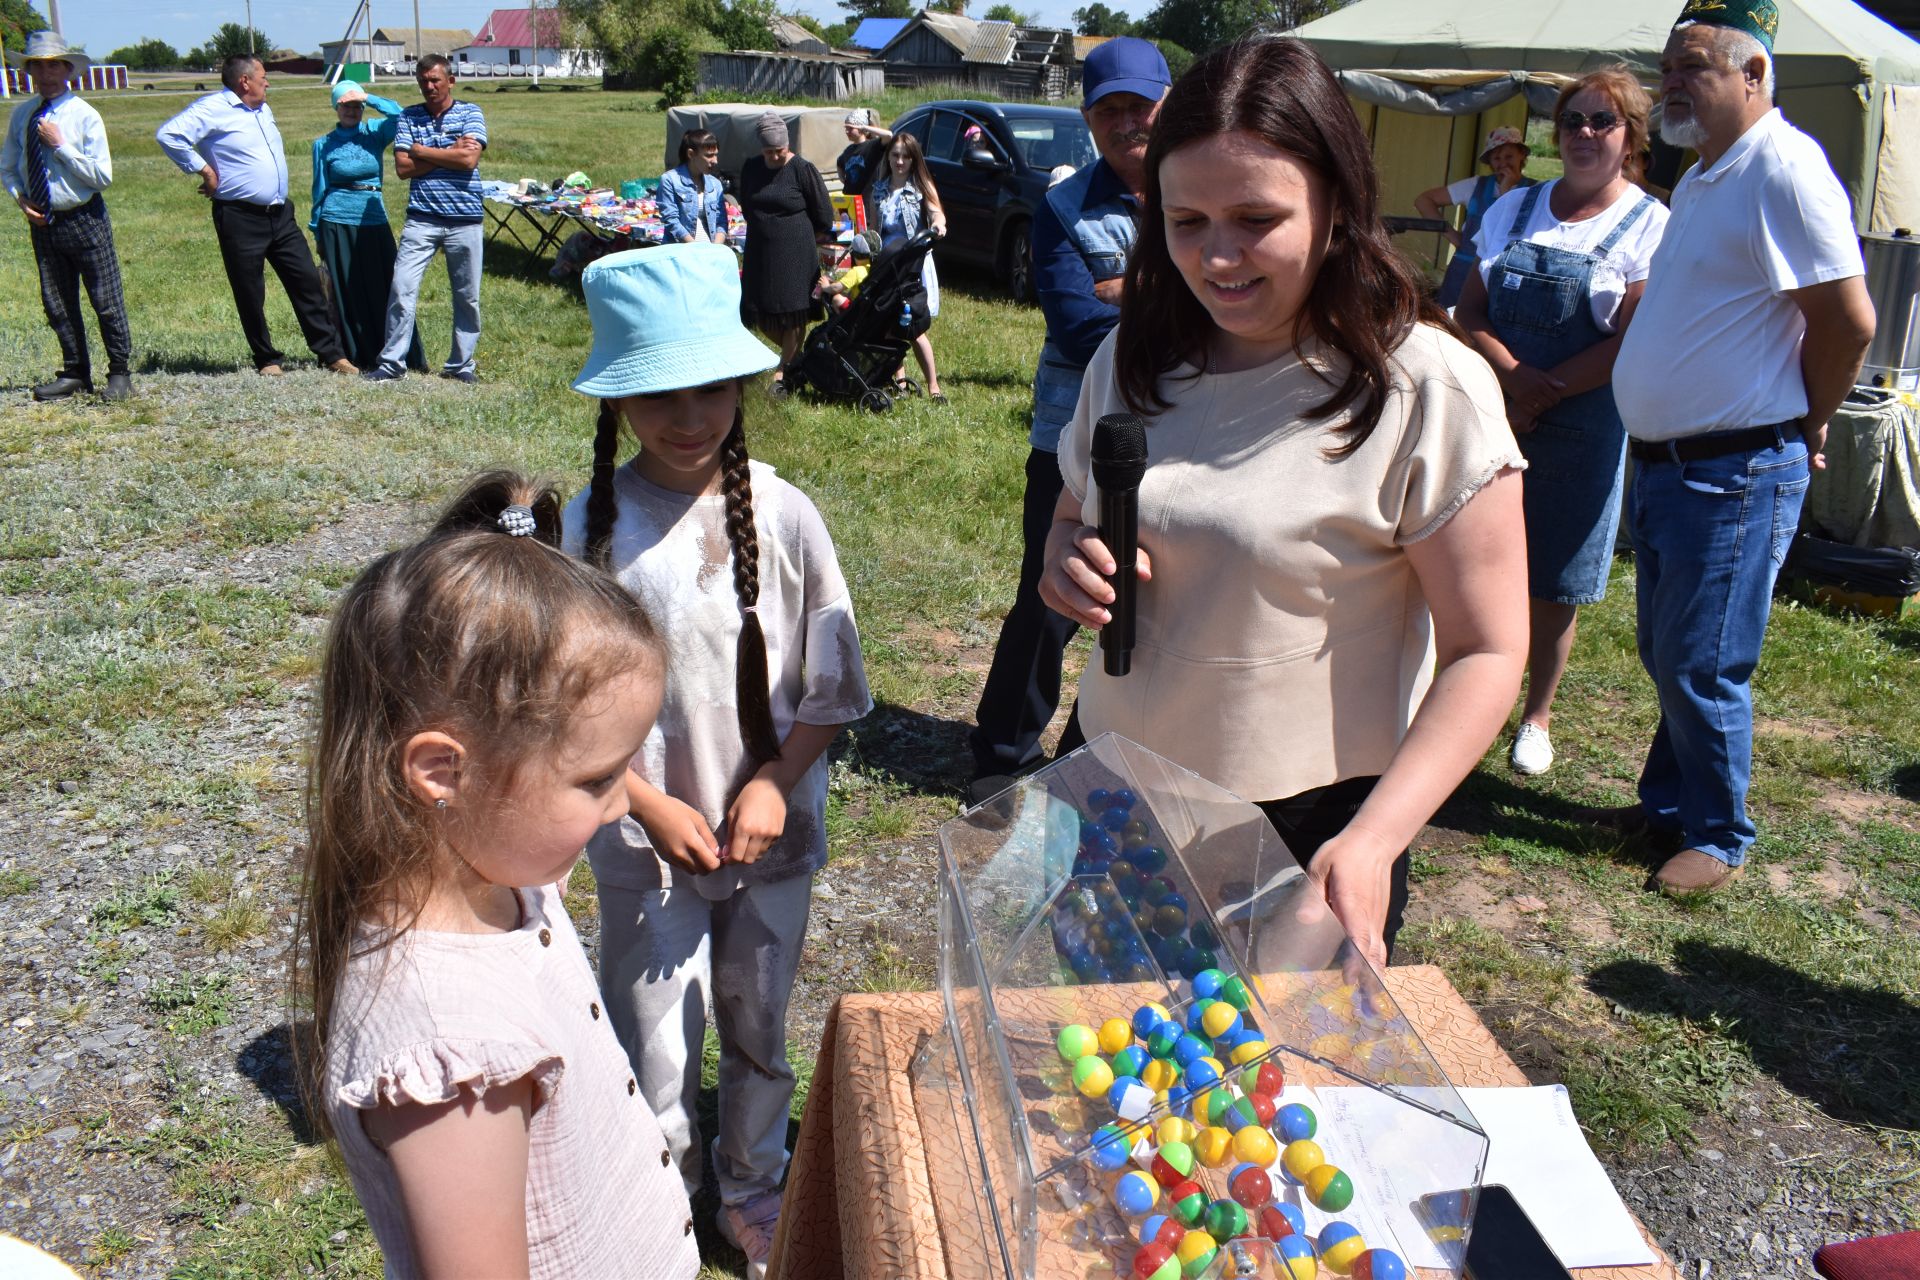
[(992, 179)]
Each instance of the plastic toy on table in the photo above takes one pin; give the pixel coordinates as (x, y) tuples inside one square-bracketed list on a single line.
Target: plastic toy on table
[(1137, 1020)]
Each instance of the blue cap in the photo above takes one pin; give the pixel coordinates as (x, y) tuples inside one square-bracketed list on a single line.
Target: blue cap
[(1124, 64), (666, 318)]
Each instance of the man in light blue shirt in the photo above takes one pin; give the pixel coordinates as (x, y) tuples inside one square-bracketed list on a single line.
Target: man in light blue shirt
[(230, 142), (55, 164)]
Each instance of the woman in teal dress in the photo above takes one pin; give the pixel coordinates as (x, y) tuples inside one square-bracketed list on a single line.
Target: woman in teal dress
[(349, 222)]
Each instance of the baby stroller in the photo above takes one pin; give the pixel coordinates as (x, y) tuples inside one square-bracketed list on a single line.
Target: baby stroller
[(851, 355)]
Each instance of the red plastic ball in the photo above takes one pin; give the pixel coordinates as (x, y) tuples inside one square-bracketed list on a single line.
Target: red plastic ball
[(1170, 1234), (1263, 1107), (1273, 1223), (1268, 1080), (1150, 1258), (1252, 1188)]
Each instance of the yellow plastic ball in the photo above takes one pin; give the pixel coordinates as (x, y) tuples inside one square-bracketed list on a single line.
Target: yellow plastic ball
[(1115, 1035), (1219, 1067), (1342, 1255), (1255, 1146), (1092, 1077), (1218, 1017), (1246, 1051), (1159, 1075), (1214, 1146), (1197, 1244), (1302, 1158), (1176, 1129)]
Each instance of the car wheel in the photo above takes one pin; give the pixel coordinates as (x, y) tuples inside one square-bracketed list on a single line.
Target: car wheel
[(1020, 262)]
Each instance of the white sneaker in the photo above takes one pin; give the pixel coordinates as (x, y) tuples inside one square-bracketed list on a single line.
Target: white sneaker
[(748, 1227), (1532, 750)]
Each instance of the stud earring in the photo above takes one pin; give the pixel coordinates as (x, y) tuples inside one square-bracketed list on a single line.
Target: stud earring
[(441, 804)]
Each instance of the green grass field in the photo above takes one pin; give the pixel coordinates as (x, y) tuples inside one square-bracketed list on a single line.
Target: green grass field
[(1798, 987)]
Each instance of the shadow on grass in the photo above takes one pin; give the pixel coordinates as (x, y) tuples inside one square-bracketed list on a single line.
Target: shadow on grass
[(267, 1060), (927, 754), (1852, 1051), (164, 362), (1489, 804), (1905, 781)]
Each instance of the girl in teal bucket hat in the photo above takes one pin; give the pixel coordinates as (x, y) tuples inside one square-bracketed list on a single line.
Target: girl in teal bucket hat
[(704, 887)]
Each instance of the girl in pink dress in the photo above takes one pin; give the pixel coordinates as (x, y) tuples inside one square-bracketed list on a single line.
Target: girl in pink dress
[(480, 699)]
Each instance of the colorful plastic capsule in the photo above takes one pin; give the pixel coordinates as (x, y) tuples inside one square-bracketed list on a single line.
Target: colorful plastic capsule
[(1092, 1076), (1175, 1129), (1225, 1219), (1220, 1019), (1329, 1189), (1302, 1158), (1173, 1164), (1379, 1264), (1077, 1041), (1129, 1098), (1112, 1147), (1251, 1186), (1196, 1252), (1147, 1017), (1296, 1258), (1161, 1229), (1234, 991), (1266, 1079), (1255, 1146), (1295, 1122), (1165, 1039), (1186, 1202), (1135, 1193), (1214, 1146), (1281, 1219), (1130, 1061), (1340, 1247), (1154, 1262), (1159, 1075), (1115, 1034)]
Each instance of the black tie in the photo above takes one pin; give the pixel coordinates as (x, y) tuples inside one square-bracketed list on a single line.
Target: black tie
[(38, 180)]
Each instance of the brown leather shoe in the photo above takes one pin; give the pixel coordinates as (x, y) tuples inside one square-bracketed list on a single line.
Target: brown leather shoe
[(344, 365), (1691, 872), (270, 371)]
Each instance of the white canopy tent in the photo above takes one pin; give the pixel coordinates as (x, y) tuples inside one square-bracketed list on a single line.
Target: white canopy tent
[(1430, 77)]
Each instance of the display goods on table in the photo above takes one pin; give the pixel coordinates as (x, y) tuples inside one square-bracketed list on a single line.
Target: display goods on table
[(631, 212), (1142, 995)]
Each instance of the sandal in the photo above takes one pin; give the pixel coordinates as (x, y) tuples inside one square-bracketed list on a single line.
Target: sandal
[(938, 397)]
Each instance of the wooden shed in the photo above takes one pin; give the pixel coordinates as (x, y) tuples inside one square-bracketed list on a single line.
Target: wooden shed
[(754, 73), (1003, 58)]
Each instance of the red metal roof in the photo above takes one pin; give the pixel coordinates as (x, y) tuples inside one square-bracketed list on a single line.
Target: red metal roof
[(513, 29)]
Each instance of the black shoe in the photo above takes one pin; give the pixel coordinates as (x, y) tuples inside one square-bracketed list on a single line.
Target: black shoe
[(119, 386), (380, 375), (985, 788), (460, 375), (61, 387)]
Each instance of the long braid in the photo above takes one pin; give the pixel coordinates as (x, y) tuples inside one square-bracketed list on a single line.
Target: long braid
[(752, 691), (601, 506)]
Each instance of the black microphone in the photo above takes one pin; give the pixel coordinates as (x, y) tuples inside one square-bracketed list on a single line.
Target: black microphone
[(1119, 461)]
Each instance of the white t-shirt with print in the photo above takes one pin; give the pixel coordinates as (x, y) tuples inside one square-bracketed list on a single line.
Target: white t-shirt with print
[(1627, 262)]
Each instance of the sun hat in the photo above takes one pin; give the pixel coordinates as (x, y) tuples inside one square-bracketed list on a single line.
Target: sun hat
[(666, 318), (348, 91), (46, 46), (772, 130), (1505, 136), (1124, 64)]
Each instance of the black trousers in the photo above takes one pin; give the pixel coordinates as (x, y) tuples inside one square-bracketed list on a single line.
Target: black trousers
[(1023, 684), (77, 246), (251, 237)]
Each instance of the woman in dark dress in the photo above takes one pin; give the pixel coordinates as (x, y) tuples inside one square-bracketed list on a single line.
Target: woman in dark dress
[(349, 222), (785, 202)]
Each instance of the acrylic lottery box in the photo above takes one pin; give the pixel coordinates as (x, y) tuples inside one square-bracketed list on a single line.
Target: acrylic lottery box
[(1161, 1060)]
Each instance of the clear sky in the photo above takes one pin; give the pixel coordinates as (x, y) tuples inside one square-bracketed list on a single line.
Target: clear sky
[(102, 26)]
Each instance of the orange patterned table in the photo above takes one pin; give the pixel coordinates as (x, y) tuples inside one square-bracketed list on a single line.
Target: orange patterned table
[(860, 1201)]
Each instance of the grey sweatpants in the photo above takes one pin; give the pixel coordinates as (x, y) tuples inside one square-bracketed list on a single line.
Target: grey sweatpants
[(666, 955)]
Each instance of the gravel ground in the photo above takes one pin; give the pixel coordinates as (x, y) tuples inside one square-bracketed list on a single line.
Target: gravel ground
[(123, 1021)]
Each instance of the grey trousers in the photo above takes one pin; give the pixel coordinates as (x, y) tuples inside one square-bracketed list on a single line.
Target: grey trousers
[(419, 239), (665, 956)]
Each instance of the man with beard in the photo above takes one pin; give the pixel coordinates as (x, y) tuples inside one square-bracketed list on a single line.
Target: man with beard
[(1082, 234), (1751, 332)]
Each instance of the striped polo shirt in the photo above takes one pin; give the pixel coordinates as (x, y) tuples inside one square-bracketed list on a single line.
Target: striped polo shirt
[(443, 195)]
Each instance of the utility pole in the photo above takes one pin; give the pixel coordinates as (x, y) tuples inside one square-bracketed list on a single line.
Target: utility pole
[(418, 52), (250, 48), (53, 18)]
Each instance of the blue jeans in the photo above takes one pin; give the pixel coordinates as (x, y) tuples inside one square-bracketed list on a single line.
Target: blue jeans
[(418, 241), (1709, 538)]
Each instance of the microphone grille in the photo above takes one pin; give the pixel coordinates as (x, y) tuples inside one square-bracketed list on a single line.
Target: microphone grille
[(1119, 453)]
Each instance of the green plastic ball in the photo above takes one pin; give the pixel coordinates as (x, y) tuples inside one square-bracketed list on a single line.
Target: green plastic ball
[(1077, 1041)]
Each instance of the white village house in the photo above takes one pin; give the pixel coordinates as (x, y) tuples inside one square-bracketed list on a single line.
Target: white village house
[(510, 43)]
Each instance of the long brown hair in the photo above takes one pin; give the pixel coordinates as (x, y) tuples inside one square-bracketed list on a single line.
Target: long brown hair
[(1365, 298), (917, 171), (495, 639), (753, 696), (1623, 89)]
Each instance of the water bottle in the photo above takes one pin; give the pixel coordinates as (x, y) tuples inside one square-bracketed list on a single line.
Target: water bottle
[(906, 315)]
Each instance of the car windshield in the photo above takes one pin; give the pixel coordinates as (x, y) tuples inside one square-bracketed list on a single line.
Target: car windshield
[(1048, 141)]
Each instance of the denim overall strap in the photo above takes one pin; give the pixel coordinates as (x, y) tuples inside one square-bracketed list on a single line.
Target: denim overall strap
[(1528, 204), (1621, 228), (1463, 263)]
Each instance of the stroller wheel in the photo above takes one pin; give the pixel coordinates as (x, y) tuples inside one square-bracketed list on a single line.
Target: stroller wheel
[(876, 402)]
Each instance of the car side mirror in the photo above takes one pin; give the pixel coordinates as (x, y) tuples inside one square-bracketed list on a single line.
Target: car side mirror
[(981, 158)]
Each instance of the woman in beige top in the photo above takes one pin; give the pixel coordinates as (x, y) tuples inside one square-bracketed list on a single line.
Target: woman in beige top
[(1331, 507)]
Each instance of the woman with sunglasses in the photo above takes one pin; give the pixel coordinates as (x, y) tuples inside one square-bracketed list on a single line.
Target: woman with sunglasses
[(693, 204), (1562, 266)]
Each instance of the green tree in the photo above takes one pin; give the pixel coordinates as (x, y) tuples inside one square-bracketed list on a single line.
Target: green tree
[(948, 6), (1007, 13), (1178, 59), (1098, 20), (150, 54), (230, 39), (837, 35), (878, 8), (1199, 25), (17, 20)]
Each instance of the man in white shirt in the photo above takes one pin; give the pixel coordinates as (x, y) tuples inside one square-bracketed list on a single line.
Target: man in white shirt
[(55, 164), (1751, 332), (230, 142)]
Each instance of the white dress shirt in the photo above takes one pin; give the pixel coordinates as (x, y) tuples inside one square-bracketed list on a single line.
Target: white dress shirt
[(79, 169), (241, 142), (1715, 343)]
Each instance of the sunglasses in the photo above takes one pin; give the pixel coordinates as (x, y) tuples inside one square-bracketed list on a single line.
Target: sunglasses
[(1600, 121)]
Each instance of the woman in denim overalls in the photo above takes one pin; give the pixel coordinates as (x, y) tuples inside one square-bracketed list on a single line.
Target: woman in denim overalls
[(1506, 154), (1533, 315)]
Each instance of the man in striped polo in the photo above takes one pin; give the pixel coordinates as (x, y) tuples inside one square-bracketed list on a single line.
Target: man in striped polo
[(438, 151)]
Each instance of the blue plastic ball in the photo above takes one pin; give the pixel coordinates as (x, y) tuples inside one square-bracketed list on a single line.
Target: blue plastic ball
[(1135, 1193), (1299, 1248), (1173, 900), (1098, 799), (1201, 1074), (1114, 818), (1295, 1123), (1333, 1233), (1112, 1147), (1130, 1061), (1130, 1098), (1207, 983), (1379, 1264), (1151, 859), (1179, 1095), (1195, 1013), (1123, 797), (1189, 1049)]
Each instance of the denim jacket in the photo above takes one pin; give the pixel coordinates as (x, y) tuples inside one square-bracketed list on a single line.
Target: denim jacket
[(1082, 234), (683, 210)]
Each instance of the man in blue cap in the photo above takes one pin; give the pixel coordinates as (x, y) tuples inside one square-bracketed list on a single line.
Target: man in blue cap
[(1082, 234)]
